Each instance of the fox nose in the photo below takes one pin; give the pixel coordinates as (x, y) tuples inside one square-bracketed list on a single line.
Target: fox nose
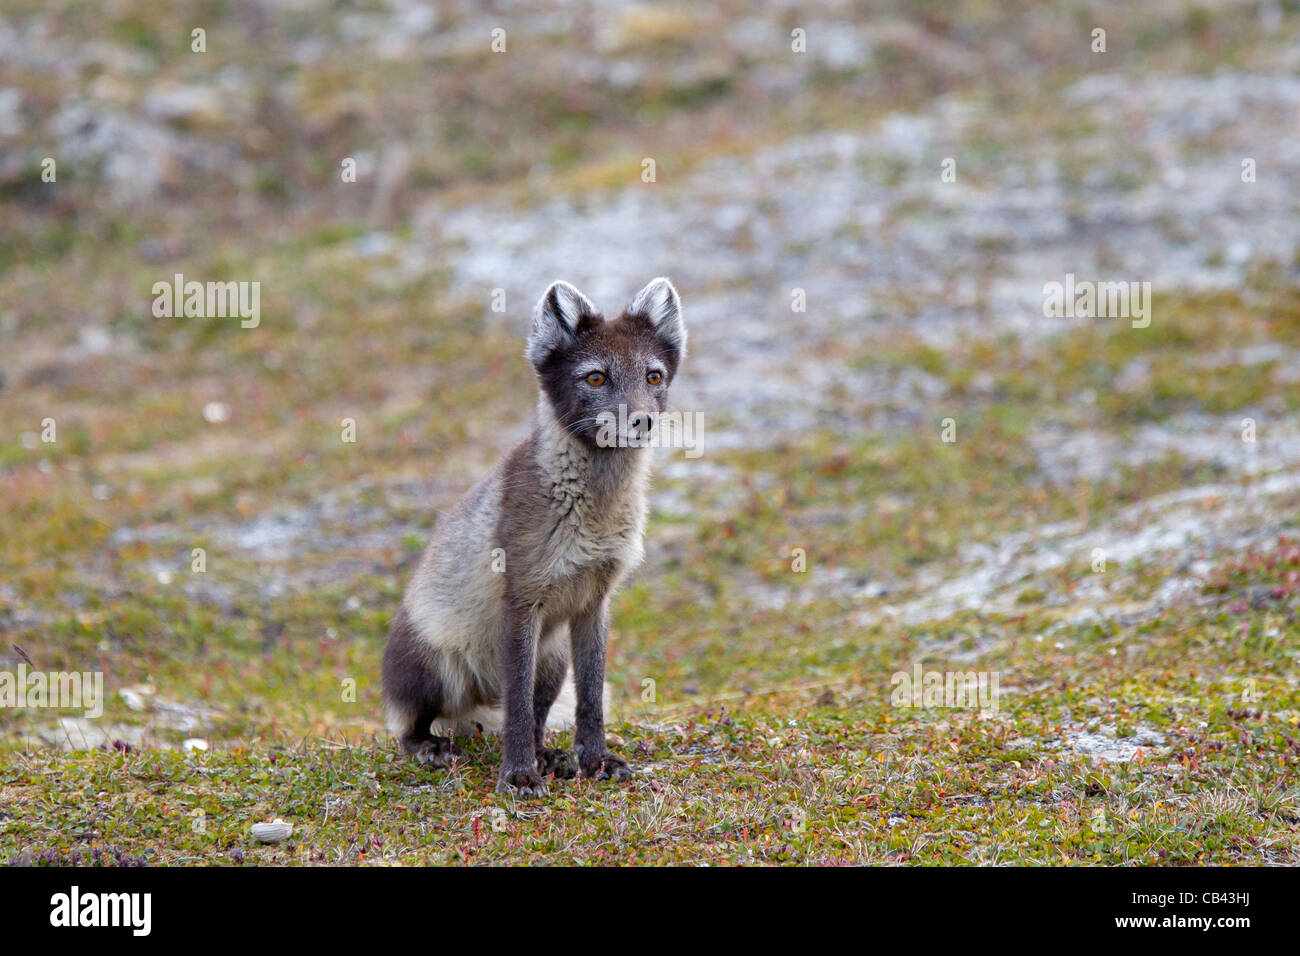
[(640, 423)]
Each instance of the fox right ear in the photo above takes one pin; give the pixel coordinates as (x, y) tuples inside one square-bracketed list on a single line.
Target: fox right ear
[(559, 316)]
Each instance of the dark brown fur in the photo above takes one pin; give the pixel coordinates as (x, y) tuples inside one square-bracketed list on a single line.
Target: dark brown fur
[(410, 674)]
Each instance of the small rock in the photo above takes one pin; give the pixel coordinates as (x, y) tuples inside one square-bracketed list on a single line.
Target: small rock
[(276, 831)]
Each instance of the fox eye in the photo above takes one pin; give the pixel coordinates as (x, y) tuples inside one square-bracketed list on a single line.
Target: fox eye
[(654, 378), (596, 378)]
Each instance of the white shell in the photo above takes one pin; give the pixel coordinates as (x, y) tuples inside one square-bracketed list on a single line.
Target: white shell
[(272, 832)]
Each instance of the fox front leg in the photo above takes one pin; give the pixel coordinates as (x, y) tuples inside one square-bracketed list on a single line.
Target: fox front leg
[(521, 628), (589, 635)]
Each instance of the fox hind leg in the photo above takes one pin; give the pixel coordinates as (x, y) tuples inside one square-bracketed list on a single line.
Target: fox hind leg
[(425, 746), (414, 696)]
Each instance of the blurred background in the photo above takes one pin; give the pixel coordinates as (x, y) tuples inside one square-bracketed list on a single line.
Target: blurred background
[(845, 299)]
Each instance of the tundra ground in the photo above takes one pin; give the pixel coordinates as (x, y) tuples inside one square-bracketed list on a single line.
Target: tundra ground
[(921, 468)]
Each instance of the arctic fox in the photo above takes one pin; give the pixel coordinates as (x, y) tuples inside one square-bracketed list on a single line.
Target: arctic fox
[(517, 577)]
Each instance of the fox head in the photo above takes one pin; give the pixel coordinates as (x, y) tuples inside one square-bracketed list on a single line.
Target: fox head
[(597, 373)]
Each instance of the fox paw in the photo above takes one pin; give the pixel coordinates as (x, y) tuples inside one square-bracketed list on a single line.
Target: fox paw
[(435, 752), (606, 766), (521, 783), (556, 761)]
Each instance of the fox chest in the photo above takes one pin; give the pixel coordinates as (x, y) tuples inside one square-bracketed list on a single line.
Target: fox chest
[(583, 533), (583, 574), (585, 542)]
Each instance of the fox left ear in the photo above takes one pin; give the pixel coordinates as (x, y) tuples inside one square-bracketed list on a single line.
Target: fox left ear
[(659, 304), (561, 313)]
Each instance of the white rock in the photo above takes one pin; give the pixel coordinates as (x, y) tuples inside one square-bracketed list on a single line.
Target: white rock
[(133, 697), (273, 832)]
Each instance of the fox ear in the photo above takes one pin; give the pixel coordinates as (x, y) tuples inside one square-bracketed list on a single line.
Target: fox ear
[(659, 304), (560, 313)]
